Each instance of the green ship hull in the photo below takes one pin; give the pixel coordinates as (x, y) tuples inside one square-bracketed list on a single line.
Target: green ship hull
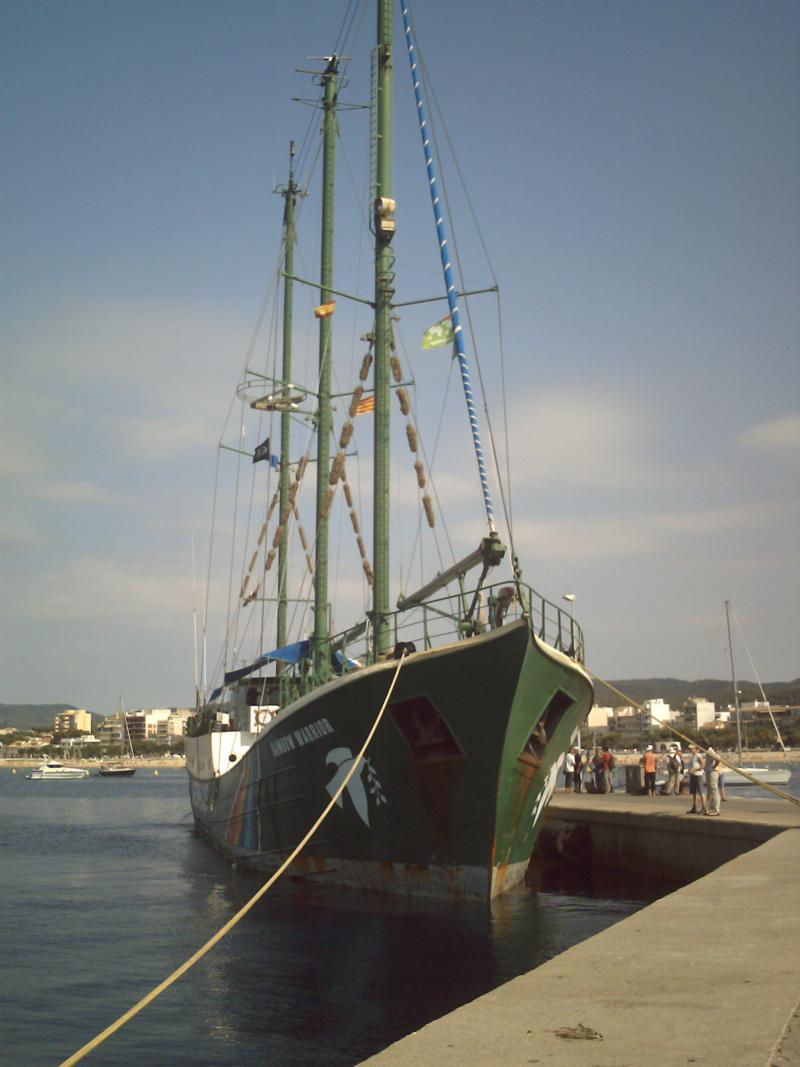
[(450, 795)]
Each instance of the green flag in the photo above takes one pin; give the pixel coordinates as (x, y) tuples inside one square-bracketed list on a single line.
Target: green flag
[(439, 335)]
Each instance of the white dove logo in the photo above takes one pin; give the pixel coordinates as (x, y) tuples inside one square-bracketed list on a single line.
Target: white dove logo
[(342, 759), (547, 790)]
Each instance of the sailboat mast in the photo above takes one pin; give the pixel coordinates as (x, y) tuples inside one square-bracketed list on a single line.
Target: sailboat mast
[(735, 686), (289, 193), (330, 86), (384, 291)]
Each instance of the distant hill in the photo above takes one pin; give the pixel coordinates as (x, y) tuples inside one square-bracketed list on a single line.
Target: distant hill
[(33, 716), (674, 691)]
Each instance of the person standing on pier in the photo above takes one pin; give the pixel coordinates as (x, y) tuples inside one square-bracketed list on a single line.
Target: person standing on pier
[(648, 761), (569, 771), (579, 765), (597, 771), (674, 771), (609, 763), (696, 781), (712, 782)]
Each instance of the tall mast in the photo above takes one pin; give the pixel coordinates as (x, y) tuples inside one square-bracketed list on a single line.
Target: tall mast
[(289, 194), (733, 678), (330, 88), (384, 291)]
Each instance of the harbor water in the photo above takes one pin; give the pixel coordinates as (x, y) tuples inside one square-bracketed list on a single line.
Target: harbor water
[(105, 890)]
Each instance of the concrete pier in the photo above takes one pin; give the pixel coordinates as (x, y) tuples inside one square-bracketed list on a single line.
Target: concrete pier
[(708, 975), (654, 837)]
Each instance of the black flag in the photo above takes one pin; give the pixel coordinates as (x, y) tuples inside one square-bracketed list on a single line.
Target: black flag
[(262, 451)]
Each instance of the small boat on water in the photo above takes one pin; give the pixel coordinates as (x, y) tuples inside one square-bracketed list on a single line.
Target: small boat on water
[(55, 770), (116, 770), (120, 768)]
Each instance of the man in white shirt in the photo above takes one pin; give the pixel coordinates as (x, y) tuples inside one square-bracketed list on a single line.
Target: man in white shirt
[(696, 781), (712, 766), (569, 770)]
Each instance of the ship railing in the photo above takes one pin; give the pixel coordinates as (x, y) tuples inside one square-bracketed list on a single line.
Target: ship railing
[(462, 614)]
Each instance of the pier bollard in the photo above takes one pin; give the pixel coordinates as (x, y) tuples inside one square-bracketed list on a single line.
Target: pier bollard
[(634, 780)]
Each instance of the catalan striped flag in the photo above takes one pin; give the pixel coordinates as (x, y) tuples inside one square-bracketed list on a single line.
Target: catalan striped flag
[(363, 407)]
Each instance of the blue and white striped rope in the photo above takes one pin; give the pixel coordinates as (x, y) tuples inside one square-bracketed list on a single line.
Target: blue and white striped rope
[(455, 314)]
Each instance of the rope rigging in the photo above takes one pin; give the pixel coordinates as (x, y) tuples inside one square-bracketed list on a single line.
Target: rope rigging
[(240, 914), (452, 298), (504, 485)]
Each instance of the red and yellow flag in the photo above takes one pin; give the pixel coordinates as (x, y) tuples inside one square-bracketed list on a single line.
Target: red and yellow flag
[(366, 405), (325, 310)]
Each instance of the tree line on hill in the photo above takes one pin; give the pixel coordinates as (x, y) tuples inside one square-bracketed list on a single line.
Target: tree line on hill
[(34, 716)]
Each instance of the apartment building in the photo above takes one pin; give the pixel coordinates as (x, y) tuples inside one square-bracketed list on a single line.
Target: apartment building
[(74, 719)]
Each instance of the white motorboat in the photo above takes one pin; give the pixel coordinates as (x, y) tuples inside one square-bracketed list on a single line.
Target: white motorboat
[(55, 770)]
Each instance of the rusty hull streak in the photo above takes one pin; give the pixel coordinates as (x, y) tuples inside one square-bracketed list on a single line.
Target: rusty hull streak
[(383, 876)]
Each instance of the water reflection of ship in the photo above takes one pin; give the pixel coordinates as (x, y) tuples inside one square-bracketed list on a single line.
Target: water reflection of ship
[(386, 966)]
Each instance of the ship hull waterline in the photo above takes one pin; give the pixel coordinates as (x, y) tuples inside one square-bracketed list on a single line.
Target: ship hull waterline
[(448, 800)]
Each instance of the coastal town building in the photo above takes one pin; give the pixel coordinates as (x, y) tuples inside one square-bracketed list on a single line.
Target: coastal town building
[(697, 712), (79, 743), (598, 717), (73, 719), (110, 730), (137, 726), (659, 711), (166, 724), (761, 712), (629, 724), (26, 744), (147, 724)]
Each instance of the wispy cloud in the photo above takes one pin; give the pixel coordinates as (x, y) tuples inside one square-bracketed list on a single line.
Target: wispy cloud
[(778, 437), (67, 492), (582, 438), (16, 530), (143, 592), (624, 536), (153, 437), (147, 378)]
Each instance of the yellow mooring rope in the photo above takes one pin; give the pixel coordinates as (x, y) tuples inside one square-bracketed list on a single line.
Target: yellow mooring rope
[(240, 914), (666, 725)]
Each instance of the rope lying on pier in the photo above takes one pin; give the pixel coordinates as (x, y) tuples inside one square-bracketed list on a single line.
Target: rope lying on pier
[(240, 914), (668, 726)]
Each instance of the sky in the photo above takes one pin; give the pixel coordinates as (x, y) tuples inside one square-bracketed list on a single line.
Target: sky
[(634, 168)]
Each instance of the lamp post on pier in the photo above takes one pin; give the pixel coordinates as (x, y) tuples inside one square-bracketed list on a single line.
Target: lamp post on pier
[(570, 598)]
